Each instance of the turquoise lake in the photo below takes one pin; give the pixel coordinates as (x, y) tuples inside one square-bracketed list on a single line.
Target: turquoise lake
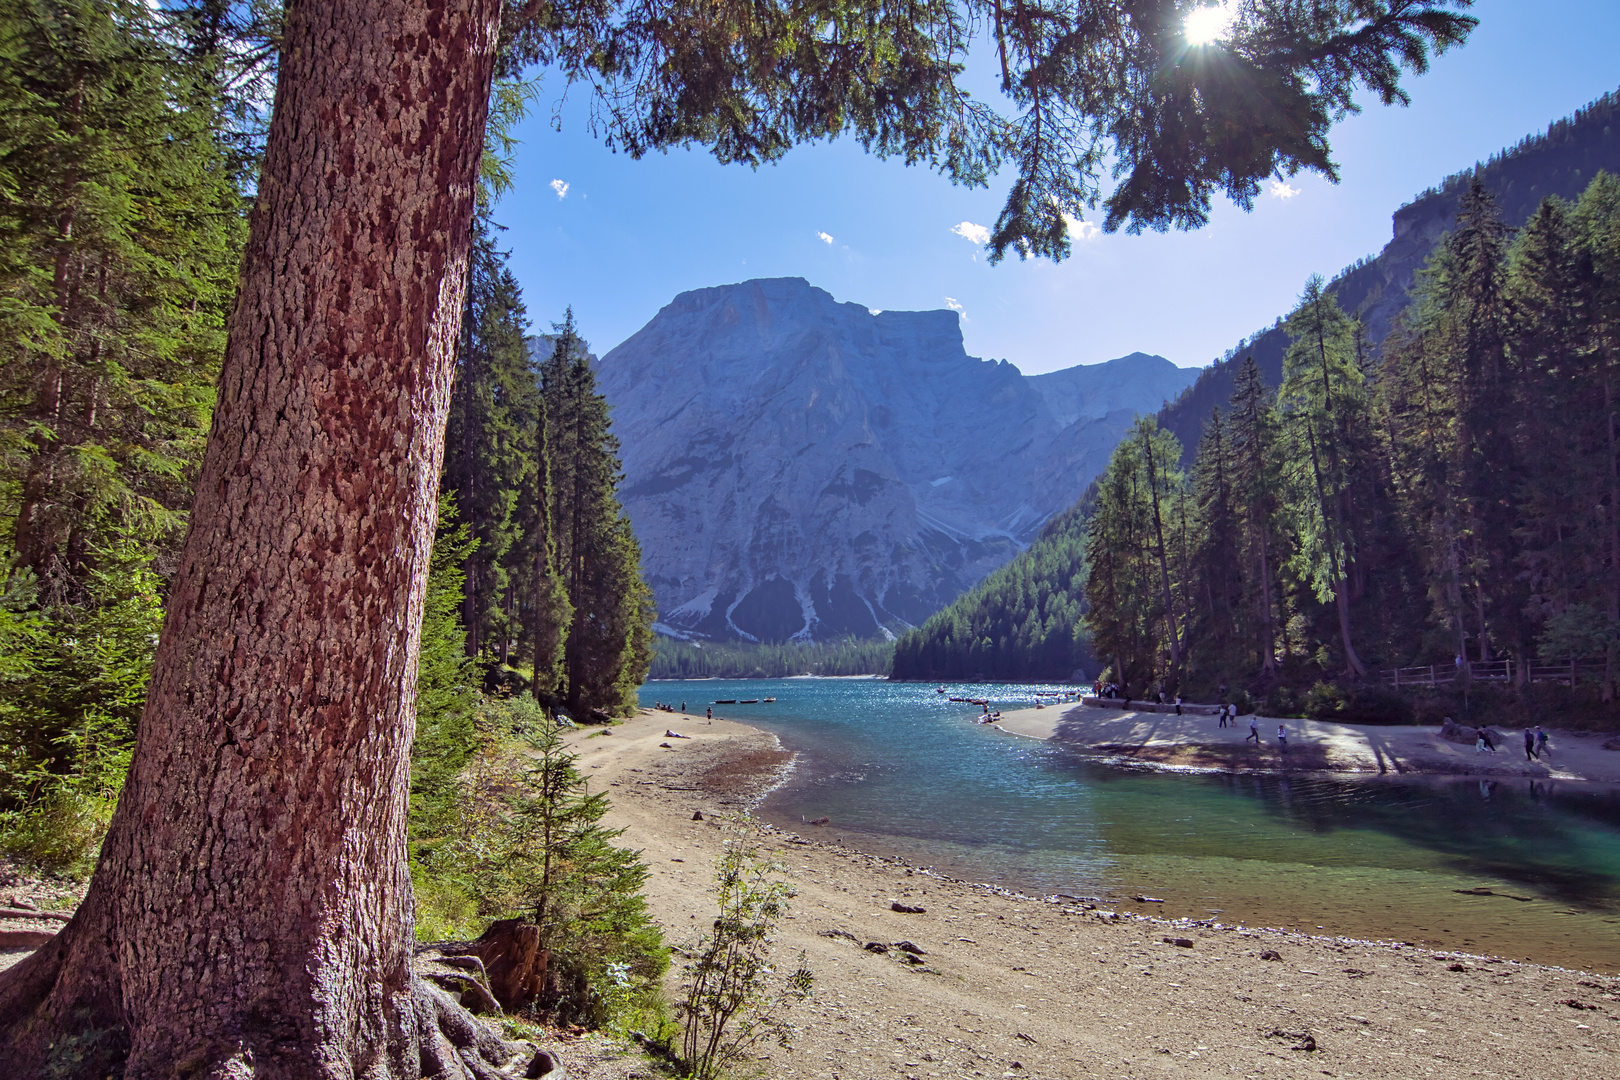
[(898, 769)]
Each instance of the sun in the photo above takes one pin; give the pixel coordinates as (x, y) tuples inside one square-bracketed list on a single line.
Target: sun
[(1207, 25)]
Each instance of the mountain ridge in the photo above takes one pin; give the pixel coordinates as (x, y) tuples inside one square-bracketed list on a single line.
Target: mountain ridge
[(1560, 161), (797, 468)]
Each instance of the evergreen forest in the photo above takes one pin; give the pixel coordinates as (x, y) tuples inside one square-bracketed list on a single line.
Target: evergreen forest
[(1449, 499), (1025, 622), (675, 659)]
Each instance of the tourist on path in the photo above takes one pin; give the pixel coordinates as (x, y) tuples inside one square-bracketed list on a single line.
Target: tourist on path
[(1223, 714), (1529, 745), (1254, 730), (1178, 704), (1542, 748), (1282, 737)]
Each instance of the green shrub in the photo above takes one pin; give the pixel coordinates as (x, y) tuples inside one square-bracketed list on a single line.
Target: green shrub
[(1325, 701), (1280, 701), (72, 687), (732, 1001), (528, 844)]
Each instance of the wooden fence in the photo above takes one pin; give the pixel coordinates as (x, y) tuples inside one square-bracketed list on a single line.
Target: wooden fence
[(1567, 672)]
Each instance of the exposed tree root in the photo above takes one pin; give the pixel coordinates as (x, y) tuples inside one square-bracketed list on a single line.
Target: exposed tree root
[(90, 1038), (512, 960), (456, 1044)]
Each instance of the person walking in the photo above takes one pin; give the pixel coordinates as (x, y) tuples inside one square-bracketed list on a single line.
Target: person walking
[(1479, 740), (1223, 715), (710, 713), (1254, 730), (1529, 745), (1282, 737), (1542, 748), (1178, 704)]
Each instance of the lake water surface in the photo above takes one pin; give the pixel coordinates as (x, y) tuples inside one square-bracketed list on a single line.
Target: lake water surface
[(901, 770)]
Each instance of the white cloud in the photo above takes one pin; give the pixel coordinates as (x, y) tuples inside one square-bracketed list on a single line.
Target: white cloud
[(1081, 230), (561, 188), (956, 306), (979, 234), (824, 238), (1280, 190)]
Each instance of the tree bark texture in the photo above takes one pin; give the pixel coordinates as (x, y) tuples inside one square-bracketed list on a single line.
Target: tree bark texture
[(251, 914)]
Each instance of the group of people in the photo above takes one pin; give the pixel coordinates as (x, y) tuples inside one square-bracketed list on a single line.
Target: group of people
[(1535, 742), (662, 707), (1229, 719)]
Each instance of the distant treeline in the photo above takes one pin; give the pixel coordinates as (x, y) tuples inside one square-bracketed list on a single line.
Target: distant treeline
[(1450, 499), (688, 660), (1023, 622)]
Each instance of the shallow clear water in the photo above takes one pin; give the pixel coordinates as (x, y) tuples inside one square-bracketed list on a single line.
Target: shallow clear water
[(900, 769)]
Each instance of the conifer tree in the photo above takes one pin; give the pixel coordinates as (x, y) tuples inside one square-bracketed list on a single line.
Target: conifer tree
[(609, 644), (1322, 391), (491, 420), (1256, 468), (120, 231), (548, 612), (1163, 483), (1218, 564), (1132, 612), (1476, 330)]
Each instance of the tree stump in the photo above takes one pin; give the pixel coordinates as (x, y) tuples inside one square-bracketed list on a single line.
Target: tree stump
[(514, 961)]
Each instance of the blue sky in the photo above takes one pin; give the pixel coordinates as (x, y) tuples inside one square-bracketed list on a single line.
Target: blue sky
[(623, 237)]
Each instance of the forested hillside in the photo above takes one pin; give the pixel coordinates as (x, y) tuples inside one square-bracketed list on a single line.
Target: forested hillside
[(1024, 622), (1449, 500), (1561, 161), (674, 659), (1260, 550)]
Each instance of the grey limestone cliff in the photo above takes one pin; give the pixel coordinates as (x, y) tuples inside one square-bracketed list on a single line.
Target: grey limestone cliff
[(800, 468)]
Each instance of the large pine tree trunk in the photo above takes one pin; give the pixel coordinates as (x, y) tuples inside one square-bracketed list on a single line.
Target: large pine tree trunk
[(251, 913)]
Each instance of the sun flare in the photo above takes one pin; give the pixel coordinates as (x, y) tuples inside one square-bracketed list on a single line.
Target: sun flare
[(1207, 25)]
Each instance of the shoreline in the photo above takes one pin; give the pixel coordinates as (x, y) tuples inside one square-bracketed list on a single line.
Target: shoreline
[(1069, 987), (1163, 740)]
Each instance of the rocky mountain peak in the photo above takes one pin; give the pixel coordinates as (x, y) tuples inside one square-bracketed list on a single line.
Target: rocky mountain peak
[(796, 467)]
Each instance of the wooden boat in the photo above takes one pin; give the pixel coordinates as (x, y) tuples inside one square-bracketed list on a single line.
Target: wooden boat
[(769, 699), (726, 701), (749, 701)]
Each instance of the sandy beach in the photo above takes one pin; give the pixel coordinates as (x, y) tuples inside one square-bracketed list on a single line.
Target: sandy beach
[(1063, 987), (1189, 741)]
